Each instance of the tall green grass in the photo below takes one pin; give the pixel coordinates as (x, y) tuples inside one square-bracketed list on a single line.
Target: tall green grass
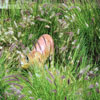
[(75, 30)]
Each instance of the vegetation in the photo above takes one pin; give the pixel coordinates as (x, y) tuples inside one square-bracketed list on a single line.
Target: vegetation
[(75, 28)]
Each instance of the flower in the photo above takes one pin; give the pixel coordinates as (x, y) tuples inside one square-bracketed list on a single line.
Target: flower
[(63, 77), (91, 86), (31, 98), (54, 91), (49, 80), (97, 84)]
